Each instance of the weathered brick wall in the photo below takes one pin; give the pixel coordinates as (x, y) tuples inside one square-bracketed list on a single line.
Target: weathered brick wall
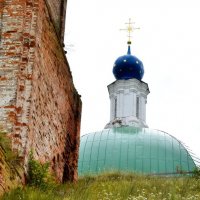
[(57, 12), (39, 106), (55, 108), (16, 62)]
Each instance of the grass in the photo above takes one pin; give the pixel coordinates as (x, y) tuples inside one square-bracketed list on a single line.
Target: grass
[(10, 168), (5, 144), (114, 186)]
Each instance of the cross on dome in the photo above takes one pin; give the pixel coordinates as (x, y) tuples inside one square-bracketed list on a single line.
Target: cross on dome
[(128, 66), (129, 29)]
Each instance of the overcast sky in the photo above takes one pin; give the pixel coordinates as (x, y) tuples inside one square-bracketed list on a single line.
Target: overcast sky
[(168, 44)]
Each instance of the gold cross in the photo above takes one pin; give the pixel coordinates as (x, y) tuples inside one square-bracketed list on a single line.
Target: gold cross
[(130, 29)]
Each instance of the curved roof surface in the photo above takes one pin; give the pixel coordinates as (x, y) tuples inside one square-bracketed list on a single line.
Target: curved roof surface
[(133, 149)]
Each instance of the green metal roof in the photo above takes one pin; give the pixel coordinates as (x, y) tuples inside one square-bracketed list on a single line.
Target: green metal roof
[(133, 149)]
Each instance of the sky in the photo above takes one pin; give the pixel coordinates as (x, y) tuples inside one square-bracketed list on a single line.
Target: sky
[(168, 44)]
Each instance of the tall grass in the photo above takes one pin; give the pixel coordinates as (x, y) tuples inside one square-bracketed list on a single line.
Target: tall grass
[(115, 186), (5, 145)]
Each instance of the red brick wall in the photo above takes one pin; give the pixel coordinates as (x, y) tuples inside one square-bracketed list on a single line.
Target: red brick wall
[(17, 47), (57, 12), (39, 108)]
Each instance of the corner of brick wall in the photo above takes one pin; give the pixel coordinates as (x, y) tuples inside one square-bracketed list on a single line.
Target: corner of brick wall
[(40, 107), (57, 11)]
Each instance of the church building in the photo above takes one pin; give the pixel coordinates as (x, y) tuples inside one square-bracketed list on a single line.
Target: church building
[(127, 144)]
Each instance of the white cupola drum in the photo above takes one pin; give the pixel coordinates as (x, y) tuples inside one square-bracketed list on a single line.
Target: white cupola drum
[(128, 94)]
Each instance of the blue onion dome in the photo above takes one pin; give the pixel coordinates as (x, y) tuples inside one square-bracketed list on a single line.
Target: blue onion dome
[(128, 67)]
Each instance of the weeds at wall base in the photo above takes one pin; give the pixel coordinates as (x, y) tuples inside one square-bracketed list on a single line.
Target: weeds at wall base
[(39, 175), (115, 187)]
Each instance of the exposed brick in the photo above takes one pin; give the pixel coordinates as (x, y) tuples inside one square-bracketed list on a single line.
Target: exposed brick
[(40, 107), (3, 78), (57, 10)]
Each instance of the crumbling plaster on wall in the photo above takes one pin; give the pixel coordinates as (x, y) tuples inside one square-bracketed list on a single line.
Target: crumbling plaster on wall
[(40, 108)]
